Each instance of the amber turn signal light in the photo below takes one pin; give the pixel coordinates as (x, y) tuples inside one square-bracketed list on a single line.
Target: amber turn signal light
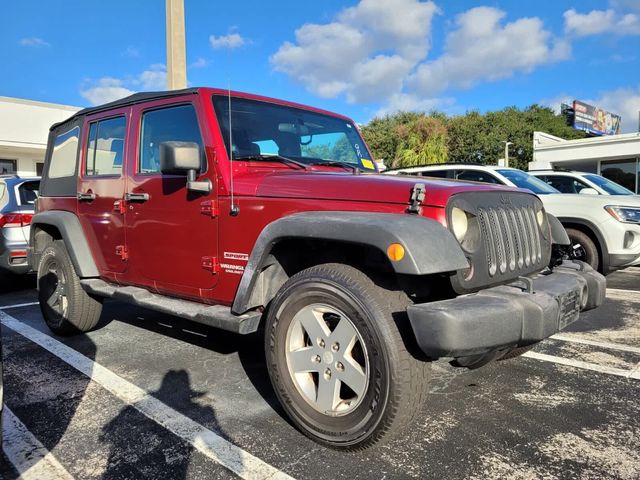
[(395, 252)]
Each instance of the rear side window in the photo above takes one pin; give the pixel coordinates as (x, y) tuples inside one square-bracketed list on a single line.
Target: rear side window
[(435, 173), (105, 150), (178, 123), (476, 176), (64, 154), (4, 198), (28, 192)]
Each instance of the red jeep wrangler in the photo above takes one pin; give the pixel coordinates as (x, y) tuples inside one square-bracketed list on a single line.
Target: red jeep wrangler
[(237, 211)]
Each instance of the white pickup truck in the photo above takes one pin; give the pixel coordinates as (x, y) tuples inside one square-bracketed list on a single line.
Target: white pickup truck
[(604, 230)]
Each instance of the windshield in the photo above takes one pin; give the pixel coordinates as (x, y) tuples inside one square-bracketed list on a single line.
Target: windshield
[(524, 180), (612, 188), (266, 129)]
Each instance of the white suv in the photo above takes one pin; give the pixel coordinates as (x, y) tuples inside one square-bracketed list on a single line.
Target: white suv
[(571, 181), (604, 230)]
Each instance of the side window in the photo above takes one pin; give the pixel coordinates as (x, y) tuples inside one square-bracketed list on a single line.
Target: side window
[(64, 154), (169, 124), (565, 184), (435, 173), (105, 149), (476, 176), (28, 192)]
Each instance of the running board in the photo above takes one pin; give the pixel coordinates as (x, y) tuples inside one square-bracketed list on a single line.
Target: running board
[(217, 316)]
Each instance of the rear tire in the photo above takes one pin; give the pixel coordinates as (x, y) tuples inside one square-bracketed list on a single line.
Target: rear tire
[(587, 250), (67, 309), (331, 329)]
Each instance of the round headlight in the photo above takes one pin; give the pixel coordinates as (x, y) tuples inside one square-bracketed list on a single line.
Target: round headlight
[(459, 223), (540, 217)]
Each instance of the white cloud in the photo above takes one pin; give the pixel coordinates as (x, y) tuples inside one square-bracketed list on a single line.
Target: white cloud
[(107, 89), (403, 102), (34, 42), (199, 63), (482, 49), (622, 101), (230, 41), (365, 53), (601, 21)]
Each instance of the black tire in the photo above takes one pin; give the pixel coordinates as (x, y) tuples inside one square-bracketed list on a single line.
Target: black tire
[(516, 352), (587, 250), (396, 381), (67, 309)]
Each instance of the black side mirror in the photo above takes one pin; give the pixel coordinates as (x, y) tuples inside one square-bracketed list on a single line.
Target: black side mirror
[(183, 158)]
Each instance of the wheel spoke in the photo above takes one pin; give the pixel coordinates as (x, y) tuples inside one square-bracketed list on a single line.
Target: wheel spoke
[(354, 376), (328, 393), (344, 334), (301, 360), (54, 299), (313, 324)]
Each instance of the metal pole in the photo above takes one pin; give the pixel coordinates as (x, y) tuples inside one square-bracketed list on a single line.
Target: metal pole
[(176, 49), (506, 152)]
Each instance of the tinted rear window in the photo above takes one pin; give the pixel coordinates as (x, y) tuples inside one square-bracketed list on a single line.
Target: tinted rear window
[(28, 192)]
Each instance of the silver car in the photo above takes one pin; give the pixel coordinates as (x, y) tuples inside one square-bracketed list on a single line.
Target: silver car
[(17, 200)]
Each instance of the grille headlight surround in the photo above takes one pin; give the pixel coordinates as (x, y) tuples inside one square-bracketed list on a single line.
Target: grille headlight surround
[(624, 214), (459, 223)]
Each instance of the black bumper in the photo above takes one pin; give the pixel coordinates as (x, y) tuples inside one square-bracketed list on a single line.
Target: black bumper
[(507, 316)]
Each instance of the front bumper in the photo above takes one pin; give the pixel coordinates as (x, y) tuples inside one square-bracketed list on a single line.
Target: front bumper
[(518, 314)]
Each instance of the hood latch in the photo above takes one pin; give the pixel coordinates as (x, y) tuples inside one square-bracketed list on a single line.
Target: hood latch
[(418, 193)]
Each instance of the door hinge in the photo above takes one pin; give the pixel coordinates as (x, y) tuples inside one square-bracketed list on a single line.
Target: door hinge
[(209, 208), (122, 252), (211, 264), (120, 206)]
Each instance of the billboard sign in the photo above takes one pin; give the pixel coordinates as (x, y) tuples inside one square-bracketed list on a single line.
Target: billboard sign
[(595, 120)]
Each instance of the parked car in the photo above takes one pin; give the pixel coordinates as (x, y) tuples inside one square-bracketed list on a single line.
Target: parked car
[(235, 210), (17, 199), (604, 231), (572, 181)]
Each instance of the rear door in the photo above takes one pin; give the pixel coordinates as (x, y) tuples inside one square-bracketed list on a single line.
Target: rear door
[(101, 187), (172, 233)]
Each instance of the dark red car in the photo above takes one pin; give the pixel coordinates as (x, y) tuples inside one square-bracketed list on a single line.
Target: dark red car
[(235, 210)]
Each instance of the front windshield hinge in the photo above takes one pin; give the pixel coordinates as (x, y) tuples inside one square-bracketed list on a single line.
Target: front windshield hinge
[(418, 193)]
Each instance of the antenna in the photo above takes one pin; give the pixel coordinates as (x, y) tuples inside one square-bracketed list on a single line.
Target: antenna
[(235, 209)]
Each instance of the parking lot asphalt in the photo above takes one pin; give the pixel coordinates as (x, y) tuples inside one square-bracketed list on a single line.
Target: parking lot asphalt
[(153, 396)]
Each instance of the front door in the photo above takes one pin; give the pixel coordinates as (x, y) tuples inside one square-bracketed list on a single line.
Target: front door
[(101, 187), (171, 232)]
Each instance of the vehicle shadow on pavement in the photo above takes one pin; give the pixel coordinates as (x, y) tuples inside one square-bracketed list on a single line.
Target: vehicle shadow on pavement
[(14, 283), (139, 447)]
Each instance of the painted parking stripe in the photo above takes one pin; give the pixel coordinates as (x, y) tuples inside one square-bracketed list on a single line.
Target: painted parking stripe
[(29, 457), (18, 305), (595, 343), (623, 291), (633, 373), (202, 439)]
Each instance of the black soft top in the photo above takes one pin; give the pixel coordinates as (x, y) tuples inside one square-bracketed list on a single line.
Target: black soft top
[(130, 100)]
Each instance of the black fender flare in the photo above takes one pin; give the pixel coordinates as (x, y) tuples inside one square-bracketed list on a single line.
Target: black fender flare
[(429, 246), (596, 231), (68, 225), (558, 233)]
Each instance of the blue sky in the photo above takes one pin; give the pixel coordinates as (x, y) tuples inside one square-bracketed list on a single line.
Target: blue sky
[(360, 58)]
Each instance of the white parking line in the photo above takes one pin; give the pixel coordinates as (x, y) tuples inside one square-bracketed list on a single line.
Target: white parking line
[(29, 457), (633, 373), (585, 341), (623, 291), (18, 305), (202, 439)]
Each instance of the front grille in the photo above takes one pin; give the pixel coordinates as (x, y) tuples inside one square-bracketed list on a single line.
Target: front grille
[(511, 238), (504, 241)]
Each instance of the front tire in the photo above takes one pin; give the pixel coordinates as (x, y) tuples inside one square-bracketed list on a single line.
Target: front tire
[(584, 248), (67, 309), (337, 361)]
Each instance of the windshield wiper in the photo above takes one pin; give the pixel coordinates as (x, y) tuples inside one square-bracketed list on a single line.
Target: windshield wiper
[(336, 163), (264, 158)]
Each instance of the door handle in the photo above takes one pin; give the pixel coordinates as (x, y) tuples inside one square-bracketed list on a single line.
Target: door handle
[(136, 197), (86, 197)]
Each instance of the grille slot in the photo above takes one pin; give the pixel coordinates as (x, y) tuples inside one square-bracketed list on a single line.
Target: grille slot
[(511, 238)]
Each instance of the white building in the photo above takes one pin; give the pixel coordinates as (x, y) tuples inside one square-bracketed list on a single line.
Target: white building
[(24, 128), (616, 157)]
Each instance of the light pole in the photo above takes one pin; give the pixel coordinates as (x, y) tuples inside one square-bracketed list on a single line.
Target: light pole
[(176, 50), (506, 152)]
